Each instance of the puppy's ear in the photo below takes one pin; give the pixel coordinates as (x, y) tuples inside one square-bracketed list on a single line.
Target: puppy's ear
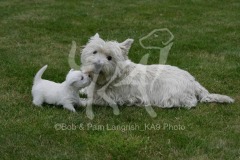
[(71, 70), (96, 36), (126, 45), (70, 81)]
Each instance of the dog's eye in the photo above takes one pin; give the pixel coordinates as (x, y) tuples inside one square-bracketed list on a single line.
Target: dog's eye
[(94, 52), (81, 77), (109, 58)]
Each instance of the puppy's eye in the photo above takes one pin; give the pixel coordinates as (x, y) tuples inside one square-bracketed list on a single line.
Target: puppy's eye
[(109, 58), (94, 52), (81, 77)]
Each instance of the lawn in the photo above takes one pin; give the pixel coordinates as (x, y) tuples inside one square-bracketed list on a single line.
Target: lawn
[(206, 44)]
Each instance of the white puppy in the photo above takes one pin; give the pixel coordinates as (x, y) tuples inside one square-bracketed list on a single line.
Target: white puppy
[(122, 82), (66, 93)]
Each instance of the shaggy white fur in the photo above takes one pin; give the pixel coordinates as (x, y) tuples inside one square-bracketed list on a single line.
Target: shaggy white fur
[(122, 82), (66, 93)]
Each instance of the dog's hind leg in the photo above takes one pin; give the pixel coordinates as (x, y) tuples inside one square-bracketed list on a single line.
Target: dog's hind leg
[(205, 96)]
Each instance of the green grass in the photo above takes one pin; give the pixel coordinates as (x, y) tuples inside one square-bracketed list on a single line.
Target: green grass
[(206, 43)]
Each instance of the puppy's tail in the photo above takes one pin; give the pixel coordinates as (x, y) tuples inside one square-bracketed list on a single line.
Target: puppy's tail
[(39, 74), (205, 96)]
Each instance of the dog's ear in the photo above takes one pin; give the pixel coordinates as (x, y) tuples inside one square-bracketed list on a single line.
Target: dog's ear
[(71, 70), (70, 80), (126, 45), (96, 36)]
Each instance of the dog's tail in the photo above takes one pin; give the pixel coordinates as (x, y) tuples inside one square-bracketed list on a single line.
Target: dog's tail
[(204, 96), (39, 74)]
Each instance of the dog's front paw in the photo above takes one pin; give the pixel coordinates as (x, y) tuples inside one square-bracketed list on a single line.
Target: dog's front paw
[(83, 91), (150, 110), (116, 111), (69, 107), (90, 114), (72, 110)]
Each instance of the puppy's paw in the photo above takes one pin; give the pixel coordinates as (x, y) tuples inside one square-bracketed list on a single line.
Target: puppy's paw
[(89, 113), (116, 111), (150, 110), (72, 110), (69, 107), (83, 91)]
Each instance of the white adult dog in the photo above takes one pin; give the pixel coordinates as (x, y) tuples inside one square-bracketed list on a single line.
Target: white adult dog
[(122, 82), (65, 94)]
